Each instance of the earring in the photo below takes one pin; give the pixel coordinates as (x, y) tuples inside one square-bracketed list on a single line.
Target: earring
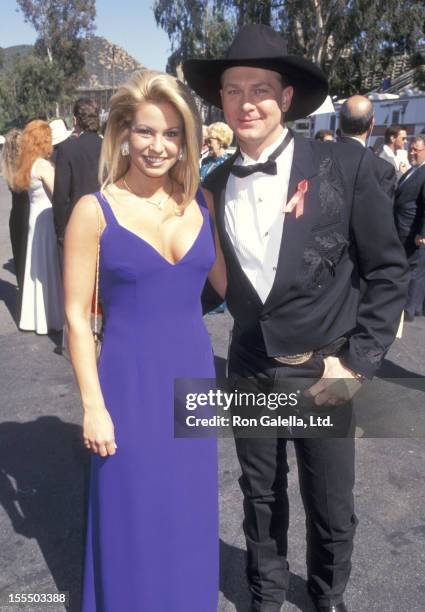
[(180, 157), (125, 150)]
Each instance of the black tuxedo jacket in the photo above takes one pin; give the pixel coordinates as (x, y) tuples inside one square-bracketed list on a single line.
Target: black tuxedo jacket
[(340, 239), (76, 168), (385, 172), (410, 206)]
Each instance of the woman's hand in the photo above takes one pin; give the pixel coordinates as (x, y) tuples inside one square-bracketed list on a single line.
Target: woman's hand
[(98, 432)]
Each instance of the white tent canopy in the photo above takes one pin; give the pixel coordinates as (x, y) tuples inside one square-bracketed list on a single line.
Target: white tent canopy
[(326, 107)]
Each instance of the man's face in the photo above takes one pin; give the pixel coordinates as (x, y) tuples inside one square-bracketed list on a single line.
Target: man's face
[(400, 140), (417, 152), (254, 102)]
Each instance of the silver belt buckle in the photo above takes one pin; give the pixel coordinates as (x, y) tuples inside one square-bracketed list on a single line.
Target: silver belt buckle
[(294, 359)]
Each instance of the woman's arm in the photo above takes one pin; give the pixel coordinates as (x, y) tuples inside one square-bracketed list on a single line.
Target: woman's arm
[(217, 275), (45, 171), (80, 252)]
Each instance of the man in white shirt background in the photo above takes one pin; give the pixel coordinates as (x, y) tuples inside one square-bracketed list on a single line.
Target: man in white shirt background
[(395, 140)]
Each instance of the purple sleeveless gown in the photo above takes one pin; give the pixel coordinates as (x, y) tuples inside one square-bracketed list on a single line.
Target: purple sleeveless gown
[(152, 532)]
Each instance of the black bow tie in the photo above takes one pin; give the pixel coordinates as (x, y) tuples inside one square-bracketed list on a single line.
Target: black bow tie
[(268, 167)]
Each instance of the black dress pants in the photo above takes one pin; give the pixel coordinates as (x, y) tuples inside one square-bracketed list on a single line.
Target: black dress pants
[(416, 291), (326, 479)]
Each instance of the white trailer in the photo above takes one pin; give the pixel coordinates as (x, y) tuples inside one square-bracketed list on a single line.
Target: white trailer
[(407, 109)]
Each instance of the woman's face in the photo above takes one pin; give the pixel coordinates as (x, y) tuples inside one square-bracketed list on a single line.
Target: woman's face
[(155, 139), (214, 146)]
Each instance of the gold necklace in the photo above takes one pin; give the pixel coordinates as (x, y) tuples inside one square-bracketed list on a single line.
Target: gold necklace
[(159, 205)]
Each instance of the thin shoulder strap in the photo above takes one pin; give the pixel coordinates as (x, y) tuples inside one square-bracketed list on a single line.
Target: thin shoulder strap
[(106, 208), (201, 199)]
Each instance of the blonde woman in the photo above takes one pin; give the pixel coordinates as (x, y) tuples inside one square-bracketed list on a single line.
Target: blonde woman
[(19, 214), (42, 303), (152, 540), (219, 138)]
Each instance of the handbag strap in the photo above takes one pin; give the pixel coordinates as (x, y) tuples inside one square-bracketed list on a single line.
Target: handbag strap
[(96, 289)]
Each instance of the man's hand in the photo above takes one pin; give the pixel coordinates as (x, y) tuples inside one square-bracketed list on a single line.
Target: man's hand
[(419, 240), (337, 385)]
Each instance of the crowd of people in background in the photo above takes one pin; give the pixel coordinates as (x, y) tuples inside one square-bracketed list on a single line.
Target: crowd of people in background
[(402, 176), (48, 168)]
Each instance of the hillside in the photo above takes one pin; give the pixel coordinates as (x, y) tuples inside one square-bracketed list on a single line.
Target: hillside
[(11, 54), (100, 58)]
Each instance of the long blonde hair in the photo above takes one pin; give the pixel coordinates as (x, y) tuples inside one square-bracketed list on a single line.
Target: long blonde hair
[(10, 156), (36, 142), (154, 87)]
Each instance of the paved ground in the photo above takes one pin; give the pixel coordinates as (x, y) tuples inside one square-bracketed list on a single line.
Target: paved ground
[(42, 477)]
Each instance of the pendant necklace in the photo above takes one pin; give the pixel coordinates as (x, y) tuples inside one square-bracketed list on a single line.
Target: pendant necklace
[(158, 204)]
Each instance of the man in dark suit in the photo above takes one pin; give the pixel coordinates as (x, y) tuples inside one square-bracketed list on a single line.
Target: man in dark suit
[(77, 163), (298, 233), (410, 222), (356, 119)]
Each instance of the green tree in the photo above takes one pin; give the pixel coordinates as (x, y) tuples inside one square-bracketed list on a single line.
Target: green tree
[(348, 38), (205, 28), (31, 89), (63, 27), (194, 27), (417, 62)]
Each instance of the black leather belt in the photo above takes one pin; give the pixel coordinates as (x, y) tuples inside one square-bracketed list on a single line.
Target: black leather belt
[(330, 349)]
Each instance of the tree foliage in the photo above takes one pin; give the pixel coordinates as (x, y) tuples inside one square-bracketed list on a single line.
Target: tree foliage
[(348, 38), (194, 27), (30, 90), (37, 84), (62, 28)]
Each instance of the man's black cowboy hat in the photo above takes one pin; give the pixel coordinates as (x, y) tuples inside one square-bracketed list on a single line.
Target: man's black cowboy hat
[(262, 47)]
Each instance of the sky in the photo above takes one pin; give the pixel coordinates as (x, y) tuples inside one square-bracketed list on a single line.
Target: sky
[(128, 23)]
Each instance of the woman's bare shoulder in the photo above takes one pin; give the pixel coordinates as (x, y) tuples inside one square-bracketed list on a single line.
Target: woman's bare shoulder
[(40, 166), (87, 211)]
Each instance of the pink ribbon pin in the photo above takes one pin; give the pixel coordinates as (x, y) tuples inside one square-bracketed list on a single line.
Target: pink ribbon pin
[(297, 200)]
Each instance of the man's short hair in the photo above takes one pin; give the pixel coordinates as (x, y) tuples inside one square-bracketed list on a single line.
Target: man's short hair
[(392, 131), (355, 124), (419, 138), (321, 135), (86, 112)]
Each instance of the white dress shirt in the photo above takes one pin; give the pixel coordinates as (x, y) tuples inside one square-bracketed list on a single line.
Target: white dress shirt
[(390, 153), (360, 140), (407, 175), (254, 216)]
